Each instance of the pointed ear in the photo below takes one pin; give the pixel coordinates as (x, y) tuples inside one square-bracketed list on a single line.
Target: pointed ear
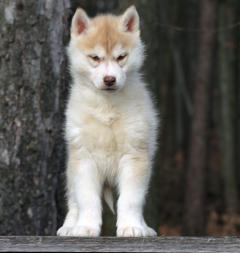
[(130, 19), (80, 22)]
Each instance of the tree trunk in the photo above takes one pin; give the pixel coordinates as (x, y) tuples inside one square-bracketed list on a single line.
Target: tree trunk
[(227, 91), (195, 189), (32, 97)]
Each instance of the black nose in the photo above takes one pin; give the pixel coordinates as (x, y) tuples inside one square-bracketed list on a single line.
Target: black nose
[(109, 80)]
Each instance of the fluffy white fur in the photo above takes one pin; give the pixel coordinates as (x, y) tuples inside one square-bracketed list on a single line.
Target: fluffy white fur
[(111, 135)]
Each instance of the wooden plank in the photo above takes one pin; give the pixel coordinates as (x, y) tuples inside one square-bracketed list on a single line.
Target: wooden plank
[(114, 244)]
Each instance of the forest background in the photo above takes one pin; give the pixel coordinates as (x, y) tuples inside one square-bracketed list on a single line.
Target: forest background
[(193, 70)]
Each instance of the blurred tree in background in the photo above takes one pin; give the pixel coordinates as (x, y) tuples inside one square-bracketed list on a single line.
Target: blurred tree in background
[(193, 71)]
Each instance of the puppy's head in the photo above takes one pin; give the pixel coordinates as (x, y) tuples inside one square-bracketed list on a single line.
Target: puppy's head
[(105, 51)]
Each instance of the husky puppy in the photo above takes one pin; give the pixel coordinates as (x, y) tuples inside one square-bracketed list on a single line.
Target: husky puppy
[(110, 125)]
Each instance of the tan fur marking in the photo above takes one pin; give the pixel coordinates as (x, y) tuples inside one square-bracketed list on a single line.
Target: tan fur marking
[(109, 37)]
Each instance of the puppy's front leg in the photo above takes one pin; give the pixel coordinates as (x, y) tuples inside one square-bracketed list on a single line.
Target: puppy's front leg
[(87, 190), (71, 217), (133, 181)]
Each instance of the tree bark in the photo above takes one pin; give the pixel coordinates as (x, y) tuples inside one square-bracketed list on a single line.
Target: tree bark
[(195, 188), (33, 82)]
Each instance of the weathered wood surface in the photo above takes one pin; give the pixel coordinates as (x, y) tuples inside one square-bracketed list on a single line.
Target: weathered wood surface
[(114, 244)]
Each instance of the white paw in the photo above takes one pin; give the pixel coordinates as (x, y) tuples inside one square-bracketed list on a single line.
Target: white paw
[(85, 231), (135, 231), (64, 231)]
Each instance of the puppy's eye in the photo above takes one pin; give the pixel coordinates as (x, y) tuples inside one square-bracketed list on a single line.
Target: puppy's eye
[(94, 58), (121, 57)]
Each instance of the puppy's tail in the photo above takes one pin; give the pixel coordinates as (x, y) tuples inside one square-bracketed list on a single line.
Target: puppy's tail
[(108, 197)]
